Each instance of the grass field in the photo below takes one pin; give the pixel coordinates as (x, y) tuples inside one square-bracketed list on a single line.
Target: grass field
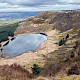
[(8, 21)]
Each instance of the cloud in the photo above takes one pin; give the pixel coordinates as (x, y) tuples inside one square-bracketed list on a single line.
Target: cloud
[(70, 1), (7, 5), (38, 5)]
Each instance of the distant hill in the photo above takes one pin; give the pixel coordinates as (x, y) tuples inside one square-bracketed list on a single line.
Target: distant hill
[(16, 15)]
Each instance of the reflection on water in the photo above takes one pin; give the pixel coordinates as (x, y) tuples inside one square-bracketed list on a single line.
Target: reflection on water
[(21, 44)]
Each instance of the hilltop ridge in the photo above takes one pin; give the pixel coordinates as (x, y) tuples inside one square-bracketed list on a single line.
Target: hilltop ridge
[(61, 20)]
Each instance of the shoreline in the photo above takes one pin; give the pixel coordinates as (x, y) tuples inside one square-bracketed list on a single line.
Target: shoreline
[(5, 43), (30, 57)]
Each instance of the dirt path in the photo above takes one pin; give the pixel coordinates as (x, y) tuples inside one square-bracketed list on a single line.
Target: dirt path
[(27, 59)]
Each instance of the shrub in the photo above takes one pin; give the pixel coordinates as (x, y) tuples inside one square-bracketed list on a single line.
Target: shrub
[(66, 59), (72, 54), (36, 69), (64, 41), (61, 42), (76, 45), (0, 45), (73, 70), (76, 42), (67, 36), (10, 33), (79, 34)]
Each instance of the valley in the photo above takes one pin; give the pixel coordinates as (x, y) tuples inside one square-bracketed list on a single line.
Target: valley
[(58, 57)]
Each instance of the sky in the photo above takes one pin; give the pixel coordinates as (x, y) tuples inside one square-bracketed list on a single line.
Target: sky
[(38, 5)]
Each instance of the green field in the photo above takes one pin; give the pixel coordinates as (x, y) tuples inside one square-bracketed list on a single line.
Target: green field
[(8, 21), (8, 29)]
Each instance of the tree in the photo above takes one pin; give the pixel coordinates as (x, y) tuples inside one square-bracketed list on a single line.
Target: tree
[(60, 42), (64, 41), (0, 45), (67, 36), (36, 69)]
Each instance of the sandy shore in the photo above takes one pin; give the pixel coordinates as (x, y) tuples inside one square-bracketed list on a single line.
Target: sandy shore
[(29, 58)]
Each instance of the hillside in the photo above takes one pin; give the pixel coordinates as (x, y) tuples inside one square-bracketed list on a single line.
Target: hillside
[(61, 20), (58, 56)]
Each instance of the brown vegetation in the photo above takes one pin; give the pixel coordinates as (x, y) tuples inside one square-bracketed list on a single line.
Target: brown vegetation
[(59, 62), (14, 71)]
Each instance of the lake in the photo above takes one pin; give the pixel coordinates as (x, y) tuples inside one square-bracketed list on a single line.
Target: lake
[(22, 44)]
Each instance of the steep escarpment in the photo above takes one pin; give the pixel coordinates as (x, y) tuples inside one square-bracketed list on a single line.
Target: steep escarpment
[(61, 20)]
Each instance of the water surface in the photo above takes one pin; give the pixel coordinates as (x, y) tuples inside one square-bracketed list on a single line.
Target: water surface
[(21, 44)]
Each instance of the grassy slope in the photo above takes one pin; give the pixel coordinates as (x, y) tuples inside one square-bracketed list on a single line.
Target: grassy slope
[(56, 65), (11, 28), (8, 22), (61, 20)]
